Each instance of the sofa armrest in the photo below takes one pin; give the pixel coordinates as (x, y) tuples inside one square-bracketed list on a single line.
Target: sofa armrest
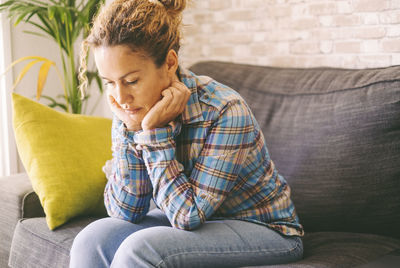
[(17, 200)]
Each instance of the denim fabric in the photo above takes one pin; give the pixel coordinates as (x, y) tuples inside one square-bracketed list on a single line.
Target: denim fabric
[(113, 242)]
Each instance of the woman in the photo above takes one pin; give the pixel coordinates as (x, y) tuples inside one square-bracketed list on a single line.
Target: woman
[(189, 143)]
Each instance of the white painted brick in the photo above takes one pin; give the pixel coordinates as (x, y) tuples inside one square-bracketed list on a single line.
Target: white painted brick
[(251, 3), (218, 5), (370, 5), (235, 3), (326, 20), (269, 49), (198, 4), (342, 61), (390, 17), (344, 7), (206, 28), (346, 20), (281, 61), (370, 46), (373, 61), (322, 33), (370, 18), (300, 10), (236, 38), (279, 35), (393, 31), (190, 29), (322, 8), (305, 47), (222, 51), (241, 26), (219, 17), (221, 28), (342, 33), (293, 33), (347, 47), (306, 23), (393, 4), (259, 36), (396, 59), (242, 51), (205, 17), (370, 33), (258, 25), (206, 50), (240, 15), (279, 11), (391, 45), (326, 47)]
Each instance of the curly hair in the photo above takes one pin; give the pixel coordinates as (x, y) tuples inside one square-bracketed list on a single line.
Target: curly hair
[(148, 26)]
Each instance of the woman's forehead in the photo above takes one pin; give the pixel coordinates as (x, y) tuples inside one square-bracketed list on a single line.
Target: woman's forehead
[(119, 61)]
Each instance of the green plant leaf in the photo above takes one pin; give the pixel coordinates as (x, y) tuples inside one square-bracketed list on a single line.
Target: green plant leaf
[(51, 12), (64, 21), (35, 33), (54, 103), (20, 18)]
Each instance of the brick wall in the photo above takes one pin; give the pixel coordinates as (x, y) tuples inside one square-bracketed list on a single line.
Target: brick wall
[(293, 33)]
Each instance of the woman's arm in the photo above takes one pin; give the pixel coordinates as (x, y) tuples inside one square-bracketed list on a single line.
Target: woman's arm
[(128, 191), (189, 201)]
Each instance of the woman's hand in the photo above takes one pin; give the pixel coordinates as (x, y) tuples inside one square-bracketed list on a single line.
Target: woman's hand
[(171, 105)]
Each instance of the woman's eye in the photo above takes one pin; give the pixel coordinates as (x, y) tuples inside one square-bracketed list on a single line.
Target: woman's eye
[(131, 82), (107, 83)]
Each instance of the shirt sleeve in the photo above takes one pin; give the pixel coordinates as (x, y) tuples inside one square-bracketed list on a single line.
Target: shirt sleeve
[(189, 201), (128, 191)]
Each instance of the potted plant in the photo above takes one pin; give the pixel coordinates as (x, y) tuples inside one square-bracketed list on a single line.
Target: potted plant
[(63, 21)]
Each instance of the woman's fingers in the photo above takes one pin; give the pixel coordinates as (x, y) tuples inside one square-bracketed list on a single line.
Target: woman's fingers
[(172, 104), (181, 94)]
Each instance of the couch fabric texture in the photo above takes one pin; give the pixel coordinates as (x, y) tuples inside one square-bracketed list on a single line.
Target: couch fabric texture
[(334, 134)]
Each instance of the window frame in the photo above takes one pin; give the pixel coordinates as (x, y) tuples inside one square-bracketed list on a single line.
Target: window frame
[(8, 149)]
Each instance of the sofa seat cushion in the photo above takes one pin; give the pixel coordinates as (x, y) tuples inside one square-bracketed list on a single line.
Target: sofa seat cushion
[(339, 249), (34, 243)]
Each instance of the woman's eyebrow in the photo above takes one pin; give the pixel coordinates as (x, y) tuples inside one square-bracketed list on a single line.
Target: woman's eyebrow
[(131, 72)]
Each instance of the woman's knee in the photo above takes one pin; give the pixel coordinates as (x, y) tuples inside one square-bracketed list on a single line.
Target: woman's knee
[(96, 243), (142, 249)]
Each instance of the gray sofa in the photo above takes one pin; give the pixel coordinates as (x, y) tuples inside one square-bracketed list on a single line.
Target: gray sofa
[(334, 134)]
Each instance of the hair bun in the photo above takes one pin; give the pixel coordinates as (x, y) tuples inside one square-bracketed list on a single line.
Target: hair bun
[(174, 5)]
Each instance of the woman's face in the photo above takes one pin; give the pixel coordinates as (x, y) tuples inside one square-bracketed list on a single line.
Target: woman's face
[(132, 79)]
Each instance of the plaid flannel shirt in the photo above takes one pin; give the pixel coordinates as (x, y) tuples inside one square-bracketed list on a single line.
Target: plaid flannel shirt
[(213, 164)]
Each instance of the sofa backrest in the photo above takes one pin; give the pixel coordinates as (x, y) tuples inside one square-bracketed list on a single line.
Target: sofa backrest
[(334, 134)]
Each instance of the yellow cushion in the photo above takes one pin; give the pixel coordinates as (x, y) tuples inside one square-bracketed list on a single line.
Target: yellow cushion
[(63, 155)]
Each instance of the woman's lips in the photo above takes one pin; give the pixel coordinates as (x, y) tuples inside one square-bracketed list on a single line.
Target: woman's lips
[(132, 111)]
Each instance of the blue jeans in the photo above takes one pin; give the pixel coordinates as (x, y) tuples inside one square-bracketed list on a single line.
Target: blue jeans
[(111, 242)]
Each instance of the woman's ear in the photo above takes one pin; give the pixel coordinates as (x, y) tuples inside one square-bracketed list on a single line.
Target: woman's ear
[(172, 64)]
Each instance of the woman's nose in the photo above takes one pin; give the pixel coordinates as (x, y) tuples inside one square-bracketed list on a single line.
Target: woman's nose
[(123, 96)]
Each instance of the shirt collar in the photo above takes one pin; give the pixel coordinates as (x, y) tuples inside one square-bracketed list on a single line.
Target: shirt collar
[(193, 112)]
